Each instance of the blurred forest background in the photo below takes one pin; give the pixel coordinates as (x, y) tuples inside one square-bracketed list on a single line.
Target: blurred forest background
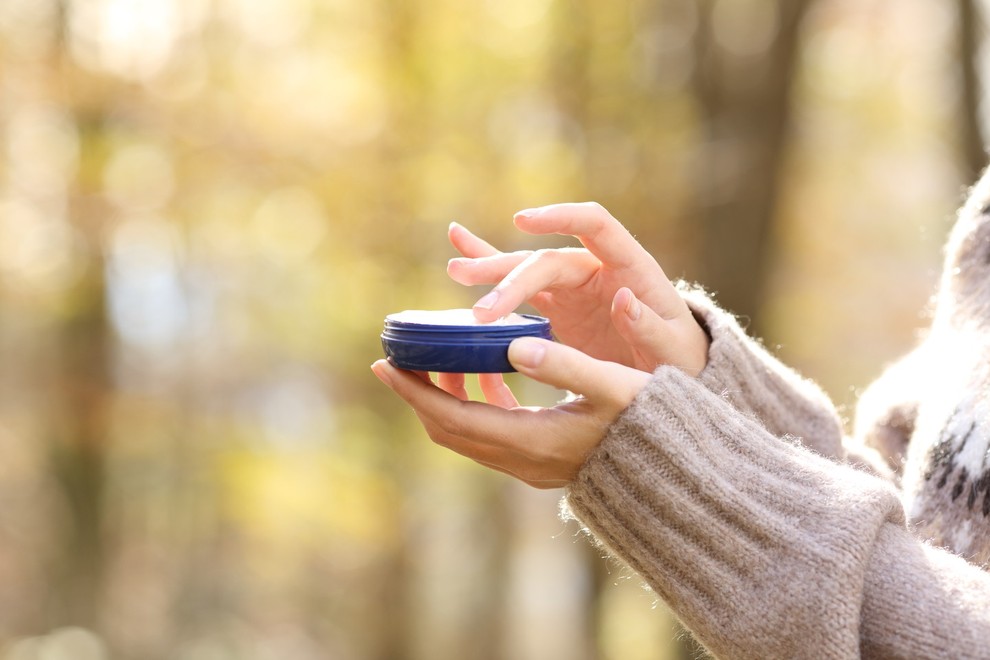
[(207, 207)]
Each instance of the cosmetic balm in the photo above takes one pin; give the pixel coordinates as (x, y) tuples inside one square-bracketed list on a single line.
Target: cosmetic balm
[(452, 340)]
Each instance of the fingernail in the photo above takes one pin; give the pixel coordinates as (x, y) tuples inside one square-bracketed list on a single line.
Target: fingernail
[(380, 369), (453, 223), (529, 213), (527, 352), (633, 309), (488, 300)]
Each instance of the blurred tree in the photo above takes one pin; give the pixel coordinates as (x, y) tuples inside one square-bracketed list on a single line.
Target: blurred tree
[(243, 510), (973, 143), (83, 394), (413, 107), (79, 451), (746, 54)]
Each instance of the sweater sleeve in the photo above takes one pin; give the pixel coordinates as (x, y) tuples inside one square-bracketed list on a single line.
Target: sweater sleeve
[(742, 371), (762, 548)]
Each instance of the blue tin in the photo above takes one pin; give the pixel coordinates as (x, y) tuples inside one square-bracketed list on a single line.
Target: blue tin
[(452, 341)]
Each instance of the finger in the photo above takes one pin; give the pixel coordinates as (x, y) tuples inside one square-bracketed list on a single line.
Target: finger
[(485, 270), (595, 227), (423, 376), (646, 332), (462, 423), (499, 444), (658, 340), (496, 391), (453, 384), (544, 269), (569, 369), (465, 242), (541, 446)]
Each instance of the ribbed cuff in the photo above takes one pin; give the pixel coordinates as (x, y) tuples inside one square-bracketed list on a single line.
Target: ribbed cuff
[(758, 546), (923, 602), (743, 372)]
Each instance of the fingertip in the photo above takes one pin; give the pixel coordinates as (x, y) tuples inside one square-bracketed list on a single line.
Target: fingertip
[(626, 306), (522, 219), (484, 309), (633, 308), (422, 375), (383, 371), (496, 391), (527, 353), (453, 384), (458, 269), (621, 299), (484, 314), (458, 235)]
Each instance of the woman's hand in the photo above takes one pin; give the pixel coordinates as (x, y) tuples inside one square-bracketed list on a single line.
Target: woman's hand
[(611, 299), (544, 447)]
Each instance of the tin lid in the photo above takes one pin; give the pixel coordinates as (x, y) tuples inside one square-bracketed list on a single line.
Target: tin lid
[(461, 323), (456, 318), (453, 340)]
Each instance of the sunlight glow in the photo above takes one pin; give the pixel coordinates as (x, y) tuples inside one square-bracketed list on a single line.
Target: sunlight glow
[(147, 304), (270, 23), (745, 27), (131, 38), (42, 149), (139, 176), (38, 249), (289, 225), (518, 14)]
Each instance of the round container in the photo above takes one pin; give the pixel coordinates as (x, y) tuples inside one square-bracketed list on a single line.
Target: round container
[(452, 340)]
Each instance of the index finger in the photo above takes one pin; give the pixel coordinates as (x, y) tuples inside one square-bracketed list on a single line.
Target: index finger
[(468, 244), (593, 225)]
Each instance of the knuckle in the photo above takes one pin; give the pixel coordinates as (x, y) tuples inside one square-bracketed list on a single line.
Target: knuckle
[(440, 439), (596, 207), (453, 427), (601, 225), (531, 474), (545, 255), (438, 435)]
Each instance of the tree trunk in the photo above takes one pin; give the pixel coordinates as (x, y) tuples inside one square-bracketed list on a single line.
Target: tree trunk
[(78, 452), (745, 107), (80, 408), (973, 145)]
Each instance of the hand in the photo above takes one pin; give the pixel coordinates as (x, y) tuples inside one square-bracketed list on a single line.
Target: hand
[(544, 447), (611, 299)]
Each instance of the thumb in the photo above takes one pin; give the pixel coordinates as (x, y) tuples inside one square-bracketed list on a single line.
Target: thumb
[(569, 369), (677, 341)]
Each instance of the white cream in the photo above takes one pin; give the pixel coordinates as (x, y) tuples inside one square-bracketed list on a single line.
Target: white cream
[(463, 317)]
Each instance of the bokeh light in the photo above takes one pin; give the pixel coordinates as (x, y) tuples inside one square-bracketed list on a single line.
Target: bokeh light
[(208, 207)]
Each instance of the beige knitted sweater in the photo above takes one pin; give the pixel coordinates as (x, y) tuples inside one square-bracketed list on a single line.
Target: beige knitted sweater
[(737, 498)]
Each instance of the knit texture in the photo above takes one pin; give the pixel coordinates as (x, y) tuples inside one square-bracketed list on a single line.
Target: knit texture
[(758, 560), (744, 373), (737, 498), (933, 407)]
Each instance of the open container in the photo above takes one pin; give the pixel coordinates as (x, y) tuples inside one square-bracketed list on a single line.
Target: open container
[(451, 340)]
